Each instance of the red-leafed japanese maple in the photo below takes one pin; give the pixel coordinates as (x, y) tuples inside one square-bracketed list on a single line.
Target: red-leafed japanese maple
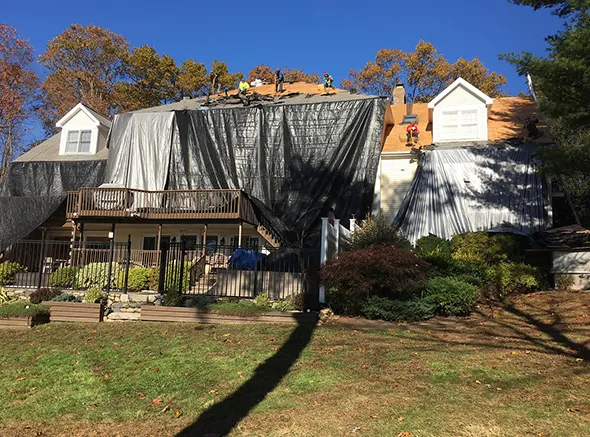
[(376, 270)]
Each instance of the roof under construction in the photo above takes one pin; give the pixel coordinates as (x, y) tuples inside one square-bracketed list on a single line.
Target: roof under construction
[(294, 94)]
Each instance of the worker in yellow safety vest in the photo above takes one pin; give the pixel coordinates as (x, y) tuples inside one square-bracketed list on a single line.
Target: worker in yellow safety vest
[(244, 86)]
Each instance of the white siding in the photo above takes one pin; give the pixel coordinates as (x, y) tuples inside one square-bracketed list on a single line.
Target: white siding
[(396, 176), (80, 121), (460, 96)]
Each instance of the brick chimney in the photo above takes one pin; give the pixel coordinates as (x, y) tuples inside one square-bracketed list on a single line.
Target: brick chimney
[(399, 94)]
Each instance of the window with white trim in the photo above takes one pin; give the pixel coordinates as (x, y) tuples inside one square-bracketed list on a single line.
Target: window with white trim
[(78, 141), (460, 124)]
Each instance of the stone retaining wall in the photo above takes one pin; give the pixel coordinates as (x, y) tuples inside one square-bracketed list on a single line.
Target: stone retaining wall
[(119, 306)]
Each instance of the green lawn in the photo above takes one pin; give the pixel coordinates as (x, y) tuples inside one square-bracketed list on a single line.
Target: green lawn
[(523, 373)]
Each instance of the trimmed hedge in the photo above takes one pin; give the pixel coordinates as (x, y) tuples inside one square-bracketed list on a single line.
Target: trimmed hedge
[(451, 296), (64, 277), (137, 281), (8, 271), (381, 308)]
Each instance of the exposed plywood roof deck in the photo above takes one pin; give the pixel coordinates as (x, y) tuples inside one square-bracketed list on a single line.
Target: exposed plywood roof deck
[(505, 120), (295, 87)]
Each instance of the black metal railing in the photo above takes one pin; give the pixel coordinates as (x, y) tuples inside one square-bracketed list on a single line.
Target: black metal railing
[(214, 270), (228, 271), (64, 264)]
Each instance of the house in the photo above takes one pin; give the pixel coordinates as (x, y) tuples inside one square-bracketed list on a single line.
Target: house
[(215, 172), (467, 136), (206, 172), (35, 186)]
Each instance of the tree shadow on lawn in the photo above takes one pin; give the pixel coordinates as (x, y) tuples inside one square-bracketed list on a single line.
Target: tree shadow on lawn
[(521, 330), (222, 417)]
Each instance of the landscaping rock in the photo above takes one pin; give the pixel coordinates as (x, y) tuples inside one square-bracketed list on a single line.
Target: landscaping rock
[(123, 316), (124, 298), (138, 297)]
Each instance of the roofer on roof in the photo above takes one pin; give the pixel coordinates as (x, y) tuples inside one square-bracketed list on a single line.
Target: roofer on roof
[(328, 81), (412, 131), (244, 86), (280, 78)]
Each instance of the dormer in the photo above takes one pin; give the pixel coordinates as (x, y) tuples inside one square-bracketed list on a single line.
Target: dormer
[(460, 114), (81, 131)]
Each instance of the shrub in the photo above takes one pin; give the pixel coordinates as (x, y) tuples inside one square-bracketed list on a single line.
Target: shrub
[(38, 296), (377, 229), (93, 295), (377, 270), (8, 271), (381, 308), (65, 297), (4, 297), (241, 308), (153, 278), (451, 296), (285, 305), (201, 302), (22, 309), (137, 280), (64, 277), (172, 280), (345, 304), (565, 283), (506, 278), (96, 275), (263, 301), (173, 276), (484, 248), (435, 250)]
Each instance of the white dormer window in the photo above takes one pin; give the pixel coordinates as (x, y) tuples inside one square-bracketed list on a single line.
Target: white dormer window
[(81, 131), (79, 141)]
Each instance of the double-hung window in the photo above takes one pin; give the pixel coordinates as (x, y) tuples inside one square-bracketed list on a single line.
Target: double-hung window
[(78, 141)]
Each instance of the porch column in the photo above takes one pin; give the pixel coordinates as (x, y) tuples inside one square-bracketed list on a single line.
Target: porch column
[(240, 234), (73, 245), (159, 246), (204, 240), (81, 231)]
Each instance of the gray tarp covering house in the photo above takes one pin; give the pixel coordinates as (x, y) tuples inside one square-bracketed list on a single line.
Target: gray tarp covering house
[(33, 191), (296, 161), (474, 188)]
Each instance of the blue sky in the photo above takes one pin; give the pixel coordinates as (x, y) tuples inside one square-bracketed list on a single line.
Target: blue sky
[(317, 36)]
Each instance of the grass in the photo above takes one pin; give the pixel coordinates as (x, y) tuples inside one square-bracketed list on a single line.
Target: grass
[(242, 308), (22, 309), (524, 372)]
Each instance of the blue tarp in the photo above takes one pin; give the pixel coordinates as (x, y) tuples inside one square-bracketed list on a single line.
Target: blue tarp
[(245, 259)]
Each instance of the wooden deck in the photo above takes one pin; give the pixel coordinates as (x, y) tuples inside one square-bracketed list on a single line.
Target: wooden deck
[(125, 204), (159, 205)]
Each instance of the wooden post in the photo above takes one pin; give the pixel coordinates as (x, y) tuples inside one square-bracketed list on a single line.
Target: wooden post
[(41, 260), (81, 231), (159, 237), (240, 234), (324, 255), (73, 245), (204, 240)]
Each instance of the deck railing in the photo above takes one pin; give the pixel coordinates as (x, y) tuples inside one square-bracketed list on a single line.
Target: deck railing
[(169, 204)]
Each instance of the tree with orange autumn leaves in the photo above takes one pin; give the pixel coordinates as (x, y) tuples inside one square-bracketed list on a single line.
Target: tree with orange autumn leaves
[(267, 74), (424, 73), (19, 92)]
